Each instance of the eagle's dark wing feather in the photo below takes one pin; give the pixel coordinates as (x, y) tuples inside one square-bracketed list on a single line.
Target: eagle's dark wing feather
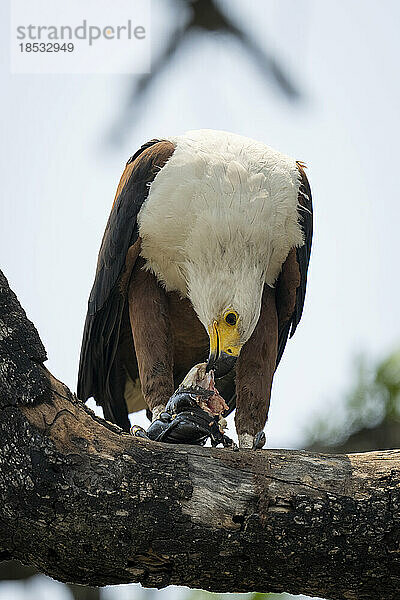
[(121, 230), (107, 300), (287, 327)]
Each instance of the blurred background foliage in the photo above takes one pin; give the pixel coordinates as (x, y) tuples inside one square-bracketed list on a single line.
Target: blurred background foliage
[(371, 416)]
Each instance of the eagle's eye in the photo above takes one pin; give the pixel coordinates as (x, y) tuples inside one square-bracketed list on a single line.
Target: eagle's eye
[(231, 318)]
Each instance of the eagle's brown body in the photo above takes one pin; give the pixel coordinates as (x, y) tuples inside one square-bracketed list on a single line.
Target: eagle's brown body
[(136, 330)]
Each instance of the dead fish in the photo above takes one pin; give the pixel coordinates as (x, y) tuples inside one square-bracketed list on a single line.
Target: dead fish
[(193, 413)]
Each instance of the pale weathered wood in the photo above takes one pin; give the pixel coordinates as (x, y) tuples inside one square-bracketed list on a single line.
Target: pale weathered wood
[(85, 503)]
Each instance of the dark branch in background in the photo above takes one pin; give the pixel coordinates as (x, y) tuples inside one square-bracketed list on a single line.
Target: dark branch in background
[(205, 16), (87, 504)]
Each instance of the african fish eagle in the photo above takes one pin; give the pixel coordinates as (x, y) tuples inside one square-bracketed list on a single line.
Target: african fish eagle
[(205, 253)]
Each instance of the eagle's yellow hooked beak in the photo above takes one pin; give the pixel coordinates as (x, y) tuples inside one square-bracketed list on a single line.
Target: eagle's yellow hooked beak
[(225, 344)]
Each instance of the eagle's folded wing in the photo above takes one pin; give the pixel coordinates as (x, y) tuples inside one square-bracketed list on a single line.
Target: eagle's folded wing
[(292, 282), (106, 301)]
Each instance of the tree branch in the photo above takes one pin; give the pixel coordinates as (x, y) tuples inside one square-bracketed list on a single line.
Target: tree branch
[(85, 503)]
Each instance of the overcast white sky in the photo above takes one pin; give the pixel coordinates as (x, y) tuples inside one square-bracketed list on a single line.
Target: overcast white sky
[(59, 175)]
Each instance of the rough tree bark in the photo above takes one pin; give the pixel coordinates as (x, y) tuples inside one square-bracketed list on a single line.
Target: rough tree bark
[(85, 503)]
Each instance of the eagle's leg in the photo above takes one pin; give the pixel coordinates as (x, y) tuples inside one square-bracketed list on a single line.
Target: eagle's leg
[(151, 330), (254, 373)]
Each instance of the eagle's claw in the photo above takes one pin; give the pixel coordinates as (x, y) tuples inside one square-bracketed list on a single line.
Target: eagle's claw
[(138, 431), (259, 441)]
